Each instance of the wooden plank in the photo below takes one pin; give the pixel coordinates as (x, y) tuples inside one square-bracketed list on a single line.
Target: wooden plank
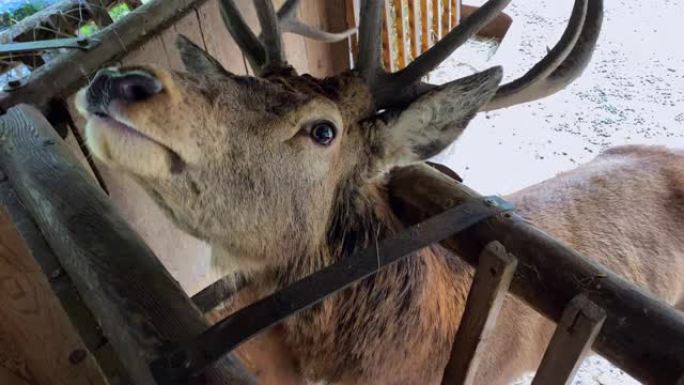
[(30, 311), (446, 17), (336, 20), (387, 46), (296, 46), (63, 76), (550, 274), (436, 21), (80, 316), (414, 27), (455, 12), (575, 334), (217, 39), (324, 59), (402, 51), (425, 35), (141, 307), (13, 364), (352, 21), (8, 377), (490, 285), (152, 52)]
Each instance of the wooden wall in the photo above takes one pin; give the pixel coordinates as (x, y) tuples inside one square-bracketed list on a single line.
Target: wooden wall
[(185, 257)]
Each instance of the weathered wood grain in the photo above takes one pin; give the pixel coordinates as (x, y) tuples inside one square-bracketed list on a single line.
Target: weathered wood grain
[(490, 285), (80, 316), (30, 312)]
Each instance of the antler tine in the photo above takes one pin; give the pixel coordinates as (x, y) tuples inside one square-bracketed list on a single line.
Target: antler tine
[(270, 30), (369, 62), (289, 22), (249, 44), (562, 65), (430, 59)]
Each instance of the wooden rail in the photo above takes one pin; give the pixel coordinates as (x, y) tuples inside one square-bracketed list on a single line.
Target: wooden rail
[(140, 307), (550, 275)]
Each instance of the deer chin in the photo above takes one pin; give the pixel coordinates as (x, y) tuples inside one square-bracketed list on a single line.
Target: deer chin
[(118, 143)]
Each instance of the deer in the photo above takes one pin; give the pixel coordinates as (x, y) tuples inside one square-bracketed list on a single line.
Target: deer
[(284, 174)]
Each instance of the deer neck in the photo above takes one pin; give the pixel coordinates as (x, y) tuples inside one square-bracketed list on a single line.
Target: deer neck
[(393, 310)]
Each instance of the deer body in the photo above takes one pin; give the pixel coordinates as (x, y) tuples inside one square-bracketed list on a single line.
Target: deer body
[(284, 174), (625, 208)]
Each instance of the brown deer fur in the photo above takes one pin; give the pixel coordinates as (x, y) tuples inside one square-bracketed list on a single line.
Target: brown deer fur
[(230, 160)]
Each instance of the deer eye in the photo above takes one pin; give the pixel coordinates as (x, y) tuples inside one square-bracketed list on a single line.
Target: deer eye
[(323, 132)]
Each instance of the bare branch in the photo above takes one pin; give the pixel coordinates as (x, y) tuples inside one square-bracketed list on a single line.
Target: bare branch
[(431, 58), (270, 31), (369, 62), (244, 37), (562, 65)]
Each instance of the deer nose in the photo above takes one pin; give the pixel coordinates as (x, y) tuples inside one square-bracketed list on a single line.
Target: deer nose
[(129, 86)]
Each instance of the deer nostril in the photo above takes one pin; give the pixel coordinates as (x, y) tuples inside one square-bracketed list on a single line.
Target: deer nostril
[(130, 86), (135, 86)]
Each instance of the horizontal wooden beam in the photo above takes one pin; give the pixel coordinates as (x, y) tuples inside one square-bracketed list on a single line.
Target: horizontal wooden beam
[(642, 334), (141, 308), (63, 76)]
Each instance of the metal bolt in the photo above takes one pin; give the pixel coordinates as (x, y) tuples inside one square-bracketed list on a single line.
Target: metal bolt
[(77, 356)]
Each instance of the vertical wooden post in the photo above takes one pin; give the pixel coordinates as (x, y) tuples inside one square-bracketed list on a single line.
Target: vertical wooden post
[(352, 21), (402, 49), (414, 27), (579, 325), (490, 285), (425, 36), (387, 46), (446, 17), (436, 21), (455, 12)]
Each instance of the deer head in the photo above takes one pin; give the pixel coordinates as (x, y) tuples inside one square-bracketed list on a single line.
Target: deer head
[(261, 167)]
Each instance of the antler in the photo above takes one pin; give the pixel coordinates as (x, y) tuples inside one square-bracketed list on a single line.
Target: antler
[(289, 22), (562, 65), (265, 53)]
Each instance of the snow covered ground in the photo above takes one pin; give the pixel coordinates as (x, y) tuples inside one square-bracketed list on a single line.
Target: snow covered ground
[(632, 93)]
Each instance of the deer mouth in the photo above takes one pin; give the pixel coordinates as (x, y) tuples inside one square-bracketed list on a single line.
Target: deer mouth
[(121, 142)]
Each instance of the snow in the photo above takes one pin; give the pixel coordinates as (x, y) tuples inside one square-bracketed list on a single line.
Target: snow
[(631, 93)]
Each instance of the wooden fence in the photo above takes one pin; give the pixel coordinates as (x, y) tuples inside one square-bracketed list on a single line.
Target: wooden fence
[(118, 310)]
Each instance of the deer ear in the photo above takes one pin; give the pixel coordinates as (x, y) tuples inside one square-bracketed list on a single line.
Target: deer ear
[(436, 119), (198, 61)]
